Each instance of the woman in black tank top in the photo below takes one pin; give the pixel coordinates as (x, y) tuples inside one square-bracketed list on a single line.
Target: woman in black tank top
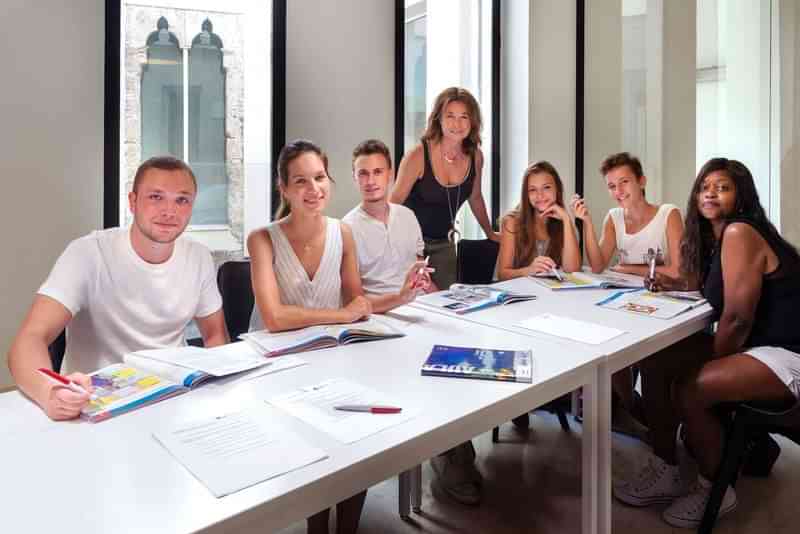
[(438, 175), (751, 277)]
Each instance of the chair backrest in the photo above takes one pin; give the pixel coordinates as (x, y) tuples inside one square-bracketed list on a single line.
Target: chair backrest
[(57, 349), (476, 261), (235, 286)]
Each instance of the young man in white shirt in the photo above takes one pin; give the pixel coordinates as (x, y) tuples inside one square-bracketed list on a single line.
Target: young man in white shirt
[(388, 238), (389, 241), (121, 290)]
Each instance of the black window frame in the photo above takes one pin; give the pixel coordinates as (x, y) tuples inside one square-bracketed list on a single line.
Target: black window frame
[(111, 120)]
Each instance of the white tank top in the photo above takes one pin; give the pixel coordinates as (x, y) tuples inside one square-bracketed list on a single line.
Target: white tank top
[(294, 286), (632, 248)]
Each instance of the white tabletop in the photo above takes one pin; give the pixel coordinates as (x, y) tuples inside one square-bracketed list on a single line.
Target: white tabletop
[(114, 477)]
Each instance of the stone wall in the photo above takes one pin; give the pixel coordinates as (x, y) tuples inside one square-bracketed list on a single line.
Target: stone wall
[(140, 21)]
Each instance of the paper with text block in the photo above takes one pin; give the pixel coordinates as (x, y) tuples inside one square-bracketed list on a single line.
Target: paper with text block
[(582, 331), (315, 405), (230, 452)]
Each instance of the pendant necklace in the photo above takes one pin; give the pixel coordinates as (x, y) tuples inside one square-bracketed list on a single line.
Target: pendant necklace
[(453, 235)]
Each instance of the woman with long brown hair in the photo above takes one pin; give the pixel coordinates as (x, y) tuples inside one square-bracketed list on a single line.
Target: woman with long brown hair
[(439, 174), (538, 235), (304, 268)]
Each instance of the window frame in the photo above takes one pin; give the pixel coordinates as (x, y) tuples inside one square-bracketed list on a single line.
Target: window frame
[(114, 58)]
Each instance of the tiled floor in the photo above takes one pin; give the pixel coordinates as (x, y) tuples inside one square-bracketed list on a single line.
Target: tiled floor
[(532, 484)]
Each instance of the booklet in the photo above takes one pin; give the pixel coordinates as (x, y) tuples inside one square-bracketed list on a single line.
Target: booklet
[(319, 337), (582, 280), (487, 364), (661, 305), (149, 376), (463, 298)]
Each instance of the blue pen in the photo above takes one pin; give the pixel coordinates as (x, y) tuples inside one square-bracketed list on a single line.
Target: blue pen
[(617, 295)]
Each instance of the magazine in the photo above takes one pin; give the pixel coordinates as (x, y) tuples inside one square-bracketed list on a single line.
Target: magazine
[(487, 364), (642, 302), (319, 337), (462, 298), (582, 280)]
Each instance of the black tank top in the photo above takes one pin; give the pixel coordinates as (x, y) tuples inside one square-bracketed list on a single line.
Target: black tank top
[(774, 323), (436, 205)]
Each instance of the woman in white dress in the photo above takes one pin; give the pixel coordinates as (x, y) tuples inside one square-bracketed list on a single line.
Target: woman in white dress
[(305, 273)]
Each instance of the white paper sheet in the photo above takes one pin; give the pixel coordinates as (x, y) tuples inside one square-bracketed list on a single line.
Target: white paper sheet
[(582, 331), (230, 452), (217, 361), (276, 364), (315, 405)]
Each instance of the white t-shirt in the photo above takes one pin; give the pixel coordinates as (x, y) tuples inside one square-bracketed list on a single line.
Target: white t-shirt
[(385, 251), (632, 248), (120, 303)]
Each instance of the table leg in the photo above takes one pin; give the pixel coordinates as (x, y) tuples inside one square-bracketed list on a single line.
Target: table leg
[(416, 489), (596, 453), (404, 494)]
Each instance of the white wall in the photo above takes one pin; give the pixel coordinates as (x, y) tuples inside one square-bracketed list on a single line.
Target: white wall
[(51, 146), (340, 81)]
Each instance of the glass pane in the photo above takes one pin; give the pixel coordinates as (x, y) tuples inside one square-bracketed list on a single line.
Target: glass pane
[(162, 94), (449, 44), (734, 84), (416, 80), (206, 124)]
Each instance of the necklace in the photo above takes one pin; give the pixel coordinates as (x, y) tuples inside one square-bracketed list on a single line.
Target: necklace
[(450, 160), (453, 235)]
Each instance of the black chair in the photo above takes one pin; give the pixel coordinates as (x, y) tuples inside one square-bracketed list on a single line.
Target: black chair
[(476, 260), (235, 286), (746, 420), (57, 349)]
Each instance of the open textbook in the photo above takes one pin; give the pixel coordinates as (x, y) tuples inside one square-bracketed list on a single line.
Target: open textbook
[(463, 298), (582, 280), (319, 337), (149, 376), (662, 305)]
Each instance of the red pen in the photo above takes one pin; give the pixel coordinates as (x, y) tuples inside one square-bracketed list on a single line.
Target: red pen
[(62, 380), (368, 408)]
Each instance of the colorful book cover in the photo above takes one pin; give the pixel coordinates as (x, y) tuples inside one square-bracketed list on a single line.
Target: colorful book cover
[(120, 388), (487, 364)]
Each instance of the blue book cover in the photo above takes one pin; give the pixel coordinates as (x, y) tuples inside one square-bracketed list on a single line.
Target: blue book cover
[(472, 362)]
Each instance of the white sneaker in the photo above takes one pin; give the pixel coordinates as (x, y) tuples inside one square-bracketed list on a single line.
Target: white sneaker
[(687, 511), (656, 482)]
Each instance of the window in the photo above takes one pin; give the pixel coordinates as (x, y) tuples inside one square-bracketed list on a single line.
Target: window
[(195, 82), (449, 44)]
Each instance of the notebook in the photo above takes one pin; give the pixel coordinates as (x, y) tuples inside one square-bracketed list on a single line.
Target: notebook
[(463, 298)]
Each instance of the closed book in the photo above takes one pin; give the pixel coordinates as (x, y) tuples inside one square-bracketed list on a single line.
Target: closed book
[(486, 364)]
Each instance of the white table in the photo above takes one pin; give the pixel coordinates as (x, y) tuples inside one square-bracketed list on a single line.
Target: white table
[(114, 477), (644, 336)]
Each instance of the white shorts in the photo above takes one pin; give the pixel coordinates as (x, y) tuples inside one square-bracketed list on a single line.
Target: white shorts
[(784, 363)]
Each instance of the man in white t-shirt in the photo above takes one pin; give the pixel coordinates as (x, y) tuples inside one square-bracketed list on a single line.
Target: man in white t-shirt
[(121, 290), (388, 238)]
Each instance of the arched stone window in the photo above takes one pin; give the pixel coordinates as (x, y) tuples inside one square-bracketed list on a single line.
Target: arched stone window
[(162, 94), (206, 139)]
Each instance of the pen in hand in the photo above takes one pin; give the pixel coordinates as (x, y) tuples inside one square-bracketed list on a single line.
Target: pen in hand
[(61, 380)]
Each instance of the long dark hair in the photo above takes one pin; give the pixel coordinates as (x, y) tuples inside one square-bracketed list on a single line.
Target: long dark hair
[(289, 153), (525, 216), (698, 241)]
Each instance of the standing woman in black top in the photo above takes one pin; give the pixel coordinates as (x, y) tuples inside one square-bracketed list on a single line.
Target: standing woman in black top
[(438, 175), (751, 277)]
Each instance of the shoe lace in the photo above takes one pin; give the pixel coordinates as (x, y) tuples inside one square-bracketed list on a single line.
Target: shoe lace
[(697, 499), (650, 474)]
